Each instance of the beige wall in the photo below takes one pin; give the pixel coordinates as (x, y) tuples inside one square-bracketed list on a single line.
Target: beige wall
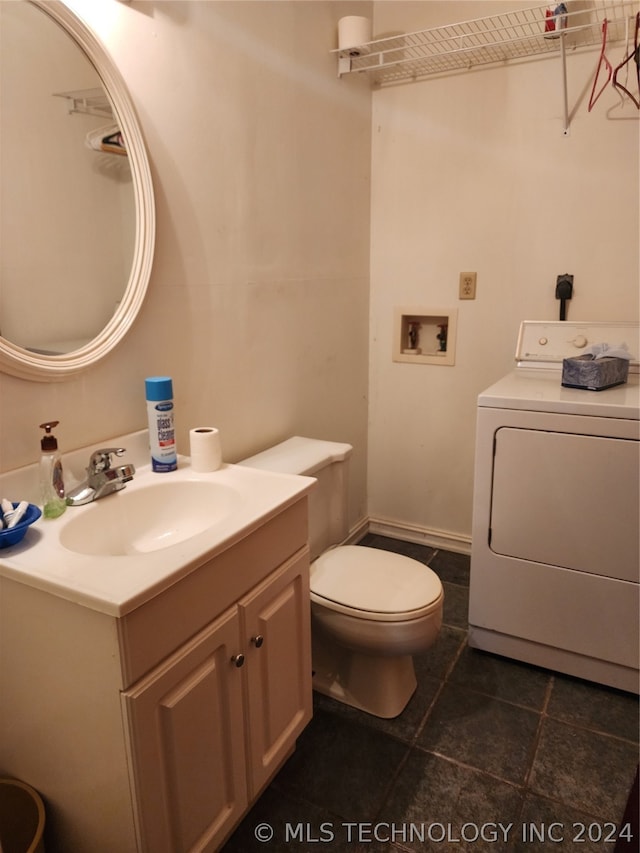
[(473, 172), (258, 302)]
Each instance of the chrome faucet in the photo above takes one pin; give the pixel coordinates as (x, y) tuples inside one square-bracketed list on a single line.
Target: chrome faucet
[(102, 479)]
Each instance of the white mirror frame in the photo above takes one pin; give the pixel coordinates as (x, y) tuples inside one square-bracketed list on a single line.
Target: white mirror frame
[(26, 365)]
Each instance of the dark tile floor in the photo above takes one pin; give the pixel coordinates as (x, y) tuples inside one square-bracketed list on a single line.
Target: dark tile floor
[(489, 755)]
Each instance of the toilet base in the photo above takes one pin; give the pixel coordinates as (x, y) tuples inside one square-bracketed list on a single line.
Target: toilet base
[(380, 685)]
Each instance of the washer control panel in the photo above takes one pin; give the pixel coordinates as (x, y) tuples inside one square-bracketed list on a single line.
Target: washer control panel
[(545, 343)]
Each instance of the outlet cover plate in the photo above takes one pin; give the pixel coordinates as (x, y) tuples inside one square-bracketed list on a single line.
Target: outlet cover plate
[(467, 285)]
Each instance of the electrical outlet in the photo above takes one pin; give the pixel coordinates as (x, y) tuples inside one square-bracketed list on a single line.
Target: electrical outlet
[(467, 285)]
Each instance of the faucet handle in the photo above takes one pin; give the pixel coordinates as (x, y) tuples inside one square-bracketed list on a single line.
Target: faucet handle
[(101, 459)]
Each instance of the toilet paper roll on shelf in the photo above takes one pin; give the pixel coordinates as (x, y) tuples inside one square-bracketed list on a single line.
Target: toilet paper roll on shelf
[(354, 31), (205, 449)]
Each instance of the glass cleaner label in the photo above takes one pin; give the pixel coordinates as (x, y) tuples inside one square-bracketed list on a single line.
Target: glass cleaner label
[(162, 437)]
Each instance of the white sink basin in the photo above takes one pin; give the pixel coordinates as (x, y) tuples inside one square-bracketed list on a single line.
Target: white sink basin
[(123, 550), (149, 518)]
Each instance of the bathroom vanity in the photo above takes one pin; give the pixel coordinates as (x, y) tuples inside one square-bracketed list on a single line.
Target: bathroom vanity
[(153, 723)]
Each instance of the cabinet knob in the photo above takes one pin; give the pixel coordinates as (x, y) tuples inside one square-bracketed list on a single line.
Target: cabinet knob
[(238, 660), (257, 640)]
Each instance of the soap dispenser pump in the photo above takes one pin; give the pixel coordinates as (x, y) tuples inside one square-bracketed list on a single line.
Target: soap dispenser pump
[(51, 481)]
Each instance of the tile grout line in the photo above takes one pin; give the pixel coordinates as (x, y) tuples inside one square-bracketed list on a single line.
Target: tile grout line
[(412, 744), (542, 716), (443, 682), (589, 729)]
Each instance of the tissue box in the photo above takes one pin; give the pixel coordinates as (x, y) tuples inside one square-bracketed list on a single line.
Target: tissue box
[(594, 374)]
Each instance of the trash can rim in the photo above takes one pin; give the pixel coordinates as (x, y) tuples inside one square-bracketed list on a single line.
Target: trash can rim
[(37, 800)]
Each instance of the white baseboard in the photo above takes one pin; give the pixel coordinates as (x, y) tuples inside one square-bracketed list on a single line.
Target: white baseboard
[(356, 533), (443, 539)]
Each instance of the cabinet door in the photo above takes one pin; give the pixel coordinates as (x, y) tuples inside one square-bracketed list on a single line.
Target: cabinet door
[(187, 742), (276, 634)]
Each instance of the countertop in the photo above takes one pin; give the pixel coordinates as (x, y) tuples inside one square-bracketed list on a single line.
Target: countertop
[(116, 585)]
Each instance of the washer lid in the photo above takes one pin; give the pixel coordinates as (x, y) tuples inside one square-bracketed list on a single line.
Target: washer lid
[(373, 580)]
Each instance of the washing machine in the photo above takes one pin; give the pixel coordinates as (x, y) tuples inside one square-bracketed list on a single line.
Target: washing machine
[(555, 562)]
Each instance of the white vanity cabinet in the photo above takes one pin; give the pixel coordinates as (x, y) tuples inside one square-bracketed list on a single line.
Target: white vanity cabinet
[(141, 731), (212, 723)]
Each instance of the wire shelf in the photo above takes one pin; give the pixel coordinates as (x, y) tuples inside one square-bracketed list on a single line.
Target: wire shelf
[(499, 38), (92, 102)]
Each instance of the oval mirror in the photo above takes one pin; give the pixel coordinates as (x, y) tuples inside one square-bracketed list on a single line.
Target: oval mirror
[(77, 219)]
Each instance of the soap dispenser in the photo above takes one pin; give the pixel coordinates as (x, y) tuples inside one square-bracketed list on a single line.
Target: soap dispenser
[(51, 482)]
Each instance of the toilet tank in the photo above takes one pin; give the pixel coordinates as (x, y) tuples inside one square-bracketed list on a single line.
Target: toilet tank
[(328, 462)]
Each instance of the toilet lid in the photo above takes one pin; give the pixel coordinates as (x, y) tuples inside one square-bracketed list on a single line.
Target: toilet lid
[(373, 580)]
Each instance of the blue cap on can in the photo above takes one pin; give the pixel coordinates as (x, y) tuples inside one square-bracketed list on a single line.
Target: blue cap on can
[(158, 388)]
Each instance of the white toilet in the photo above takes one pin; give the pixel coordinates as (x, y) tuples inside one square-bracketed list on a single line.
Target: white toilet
[(371, 609)]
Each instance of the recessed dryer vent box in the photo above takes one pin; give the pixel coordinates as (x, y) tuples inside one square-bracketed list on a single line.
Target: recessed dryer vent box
[(425, 335)]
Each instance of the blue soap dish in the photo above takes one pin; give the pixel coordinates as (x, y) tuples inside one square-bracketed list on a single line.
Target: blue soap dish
[(15, 534)]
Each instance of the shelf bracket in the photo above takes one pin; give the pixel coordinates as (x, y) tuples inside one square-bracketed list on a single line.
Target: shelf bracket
[(92, 102), (344, 65)]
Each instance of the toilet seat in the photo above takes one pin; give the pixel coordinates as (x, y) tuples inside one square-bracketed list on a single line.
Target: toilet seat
[(374, 584)]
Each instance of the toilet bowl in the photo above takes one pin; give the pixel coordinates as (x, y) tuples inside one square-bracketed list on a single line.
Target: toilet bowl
[(371, 610)]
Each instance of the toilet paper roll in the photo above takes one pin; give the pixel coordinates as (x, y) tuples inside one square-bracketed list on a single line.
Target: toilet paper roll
[(353, 32), (206, 449)]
